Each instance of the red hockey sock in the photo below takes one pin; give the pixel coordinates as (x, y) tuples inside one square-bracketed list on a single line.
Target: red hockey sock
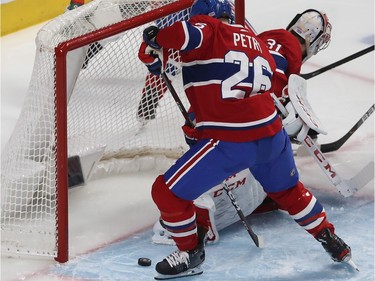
[(304, 208), (178, 215)]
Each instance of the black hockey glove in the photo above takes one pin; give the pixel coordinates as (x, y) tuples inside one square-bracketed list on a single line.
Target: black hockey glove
[(149, 36)]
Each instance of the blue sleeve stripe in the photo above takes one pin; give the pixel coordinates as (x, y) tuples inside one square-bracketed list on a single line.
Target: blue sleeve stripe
[(281, 62), (193, 37)]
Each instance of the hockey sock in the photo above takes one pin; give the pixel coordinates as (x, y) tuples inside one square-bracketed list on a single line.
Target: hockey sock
[(178, 215), (304, 208)]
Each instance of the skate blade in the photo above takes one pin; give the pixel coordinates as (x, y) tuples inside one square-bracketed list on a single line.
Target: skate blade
[(351, 263), (191, 272)]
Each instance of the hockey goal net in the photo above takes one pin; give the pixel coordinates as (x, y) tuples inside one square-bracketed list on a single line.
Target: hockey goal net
[(90, 102)]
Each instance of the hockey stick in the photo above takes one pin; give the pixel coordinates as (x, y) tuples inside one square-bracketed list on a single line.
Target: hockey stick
[(339, 62), (345, 187), (257, 240), (177, 100), (333, 146)]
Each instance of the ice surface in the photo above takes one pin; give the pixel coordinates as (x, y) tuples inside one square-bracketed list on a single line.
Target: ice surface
[(111, 218)]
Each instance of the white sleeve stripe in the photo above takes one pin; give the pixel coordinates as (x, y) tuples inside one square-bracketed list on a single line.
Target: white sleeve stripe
[(187, 37), (200, 43)]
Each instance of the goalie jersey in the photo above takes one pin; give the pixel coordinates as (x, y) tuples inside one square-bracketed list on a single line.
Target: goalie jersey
[(286, 51), (243, 85)]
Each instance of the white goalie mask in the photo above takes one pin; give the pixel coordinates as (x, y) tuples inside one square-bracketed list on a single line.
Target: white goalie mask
[(313, 27)]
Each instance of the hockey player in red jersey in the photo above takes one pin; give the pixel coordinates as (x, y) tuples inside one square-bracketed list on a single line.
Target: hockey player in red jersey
[(288, 48), (228, 77)]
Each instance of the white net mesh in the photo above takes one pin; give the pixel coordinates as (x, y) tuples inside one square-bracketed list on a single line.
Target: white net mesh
[(112, 113)]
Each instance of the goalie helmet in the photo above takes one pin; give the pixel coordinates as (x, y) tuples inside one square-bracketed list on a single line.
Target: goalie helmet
[(213, 8), (314, 28)]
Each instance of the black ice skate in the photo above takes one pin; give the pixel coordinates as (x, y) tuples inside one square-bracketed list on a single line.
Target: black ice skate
[(147, 106), (182, 263), (334, 246)]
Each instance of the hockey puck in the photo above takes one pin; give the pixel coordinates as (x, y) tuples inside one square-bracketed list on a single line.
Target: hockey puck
[(144, 261)]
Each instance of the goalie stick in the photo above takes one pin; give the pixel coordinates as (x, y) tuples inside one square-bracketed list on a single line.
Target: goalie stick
[(257, 239), (333, 146), (339, 62), (345, 187)]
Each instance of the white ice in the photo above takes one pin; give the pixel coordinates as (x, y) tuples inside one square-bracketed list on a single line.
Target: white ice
[(110, 219)]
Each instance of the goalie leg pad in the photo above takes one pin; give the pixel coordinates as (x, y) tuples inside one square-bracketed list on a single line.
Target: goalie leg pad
[(303, 207), (178, 215), (161, 235), (205, 210)]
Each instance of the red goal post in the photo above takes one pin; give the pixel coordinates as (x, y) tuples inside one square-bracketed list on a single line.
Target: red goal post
[(61, 99), (82, 115)]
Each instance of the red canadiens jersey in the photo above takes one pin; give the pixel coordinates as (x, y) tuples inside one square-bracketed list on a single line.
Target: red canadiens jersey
[(227, 75), (287, 53)]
